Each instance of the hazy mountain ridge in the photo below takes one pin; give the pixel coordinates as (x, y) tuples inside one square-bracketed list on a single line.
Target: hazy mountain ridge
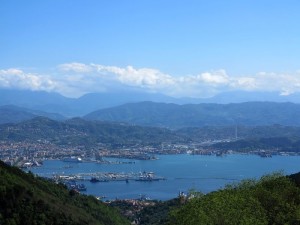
[(15, 114), (70, 107), (198, 115), (55, 103), (239, 132)]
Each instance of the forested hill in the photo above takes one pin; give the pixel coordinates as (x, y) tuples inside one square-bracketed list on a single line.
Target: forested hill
[(25, 199), (274, 199), (81, 132), (198, 115)]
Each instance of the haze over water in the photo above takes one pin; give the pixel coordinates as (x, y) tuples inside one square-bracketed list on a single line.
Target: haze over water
[(182, 173)]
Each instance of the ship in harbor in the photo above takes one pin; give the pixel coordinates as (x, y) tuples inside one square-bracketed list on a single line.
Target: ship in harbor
[(95, 180), (147, 176), (72, 159)]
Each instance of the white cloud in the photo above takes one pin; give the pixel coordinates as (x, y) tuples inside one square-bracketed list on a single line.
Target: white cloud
[(144, 77), (16, 78), (245, 83), (75, 79), (217, 78), (286, 83), (11, 71), (76, 67)]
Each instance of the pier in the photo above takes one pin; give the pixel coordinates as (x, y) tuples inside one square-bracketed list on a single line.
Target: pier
[(109, 176)]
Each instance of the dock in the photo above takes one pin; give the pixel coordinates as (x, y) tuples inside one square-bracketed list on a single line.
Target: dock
[(109, 176)]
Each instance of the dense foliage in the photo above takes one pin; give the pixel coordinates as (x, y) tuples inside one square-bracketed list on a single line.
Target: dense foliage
[(25, 199), (274, 199), (157, 214)]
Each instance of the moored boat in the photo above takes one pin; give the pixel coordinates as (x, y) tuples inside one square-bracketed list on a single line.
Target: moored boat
[(72, 159)]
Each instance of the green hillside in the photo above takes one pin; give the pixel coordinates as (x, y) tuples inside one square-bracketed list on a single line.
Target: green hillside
[(274, 199), (25, 199), (81, 132)]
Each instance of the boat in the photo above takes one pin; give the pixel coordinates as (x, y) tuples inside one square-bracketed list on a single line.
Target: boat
[(147, 177), (265, 155), (72, 159), (95, 180)]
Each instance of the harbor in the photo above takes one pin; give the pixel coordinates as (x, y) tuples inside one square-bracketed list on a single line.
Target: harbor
[(95, 177), (175, 173), (76, 181)]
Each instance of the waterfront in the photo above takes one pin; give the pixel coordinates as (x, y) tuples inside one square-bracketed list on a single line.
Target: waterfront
[(182, 172)]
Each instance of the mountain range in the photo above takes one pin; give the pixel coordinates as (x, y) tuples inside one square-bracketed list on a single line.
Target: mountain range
[(198, 115), (15, 114), (73, 107)]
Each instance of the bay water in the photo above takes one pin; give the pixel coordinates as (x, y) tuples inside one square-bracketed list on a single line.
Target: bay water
[(182, 173)]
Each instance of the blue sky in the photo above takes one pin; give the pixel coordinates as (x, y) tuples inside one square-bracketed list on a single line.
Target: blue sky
[(180, 48)]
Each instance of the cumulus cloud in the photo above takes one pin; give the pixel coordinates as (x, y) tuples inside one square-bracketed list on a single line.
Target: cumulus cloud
[(75, 79), (217, 78), (285, 83), (76, 67), (244, 83), (16, 78), (144, 77)]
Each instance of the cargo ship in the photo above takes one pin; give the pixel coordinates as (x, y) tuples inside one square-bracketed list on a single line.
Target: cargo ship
[(147, 176)]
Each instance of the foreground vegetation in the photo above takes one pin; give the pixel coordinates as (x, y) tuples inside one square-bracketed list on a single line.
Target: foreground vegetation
[(25, 199), (274, 199)]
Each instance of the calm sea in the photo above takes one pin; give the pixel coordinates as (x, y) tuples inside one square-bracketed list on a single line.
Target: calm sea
[(182, 173)]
